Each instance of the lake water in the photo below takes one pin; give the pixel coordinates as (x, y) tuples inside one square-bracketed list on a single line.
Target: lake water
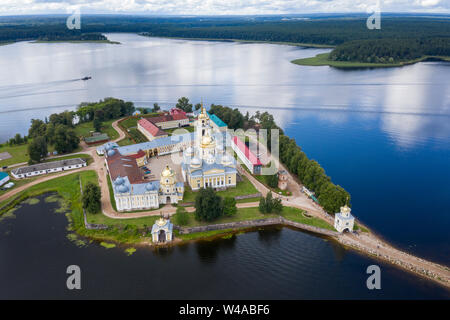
[(383, 134), (265, 264)]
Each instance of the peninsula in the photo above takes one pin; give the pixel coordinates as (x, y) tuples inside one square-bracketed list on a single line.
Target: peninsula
[(154, 177)]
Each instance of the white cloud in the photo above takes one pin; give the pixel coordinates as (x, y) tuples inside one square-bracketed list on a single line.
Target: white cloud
[(218, 7)]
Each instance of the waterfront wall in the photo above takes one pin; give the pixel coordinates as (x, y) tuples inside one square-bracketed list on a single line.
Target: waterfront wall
[(256, 223)]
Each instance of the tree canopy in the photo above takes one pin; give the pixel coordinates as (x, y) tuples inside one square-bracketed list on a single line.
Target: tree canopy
[(91, 198), (208, 205)]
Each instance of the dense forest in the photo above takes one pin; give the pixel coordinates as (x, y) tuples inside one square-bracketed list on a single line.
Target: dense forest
[(400, 37), (106, 109), (390, 50)]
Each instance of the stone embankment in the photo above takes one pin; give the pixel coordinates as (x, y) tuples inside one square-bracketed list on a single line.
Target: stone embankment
[(257, 223), (399, 258)]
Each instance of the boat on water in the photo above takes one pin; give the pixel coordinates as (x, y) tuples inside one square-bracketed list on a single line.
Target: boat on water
[(86, 78)]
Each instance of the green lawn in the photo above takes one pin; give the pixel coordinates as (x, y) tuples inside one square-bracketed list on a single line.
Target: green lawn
[(188, 128), (136, 135), (322, 60), (84, 129), (297, 215), (125, 142), (262, 179), (130, 122), (146, 222), (242, 188), (247, 214), (19, 154), (67, 186), (242, 214)]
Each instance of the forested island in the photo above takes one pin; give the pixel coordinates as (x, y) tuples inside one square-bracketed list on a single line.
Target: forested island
[(401, 39)]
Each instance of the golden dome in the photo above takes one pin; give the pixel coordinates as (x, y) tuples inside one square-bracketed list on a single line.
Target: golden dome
[(203, 114), (206, 140), (161, 222), (167, 172), (345, 210)]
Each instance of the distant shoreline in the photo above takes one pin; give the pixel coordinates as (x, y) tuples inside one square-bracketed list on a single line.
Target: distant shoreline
[(322, 60), (295, 44), (76, 41)]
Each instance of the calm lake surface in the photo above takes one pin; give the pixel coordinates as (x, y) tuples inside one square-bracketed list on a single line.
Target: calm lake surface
[(383, 134), (271, 263)]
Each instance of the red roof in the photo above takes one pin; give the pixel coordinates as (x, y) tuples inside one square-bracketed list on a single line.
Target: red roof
[(167, 117), (124, 166), (175, 111), (137, 155), (151, 128), (246, 151)]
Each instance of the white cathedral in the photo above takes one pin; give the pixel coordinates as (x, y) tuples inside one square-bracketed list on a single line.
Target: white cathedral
[(207, 164)]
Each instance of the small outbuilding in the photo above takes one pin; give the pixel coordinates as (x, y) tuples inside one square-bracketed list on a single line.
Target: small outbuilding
[(344, 221), (162, 231), (4, 178), (282, 179)]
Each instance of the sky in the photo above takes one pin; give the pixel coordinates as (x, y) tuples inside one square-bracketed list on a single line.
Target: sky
[(219, 7)]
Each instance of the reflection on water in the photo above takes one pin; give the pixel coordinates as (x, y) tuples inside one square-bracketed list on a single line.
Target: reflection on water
[(272, 263), (410, 102), (383, 134)]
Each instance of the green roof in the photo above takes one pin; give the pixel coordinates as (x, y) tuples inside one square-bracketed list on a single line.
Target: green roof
[(100, 137), (3, 175), (217, 120)]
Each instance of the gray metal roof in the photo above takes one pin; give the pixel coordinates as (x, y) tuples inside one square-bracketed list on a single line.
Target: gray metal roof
[(134, 148), (48, 165)]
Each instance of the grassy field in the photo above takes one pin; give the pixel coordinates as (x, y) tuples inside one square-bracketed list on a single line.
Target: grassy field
[(19, 154), (146, 222), (67, 186), (243, 187), (242, 214), (84, 129), (136, 135), (262, 179), (322, 60), (248, 214), (297, 215), (188, 128), (130, 122), (125, 142)]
